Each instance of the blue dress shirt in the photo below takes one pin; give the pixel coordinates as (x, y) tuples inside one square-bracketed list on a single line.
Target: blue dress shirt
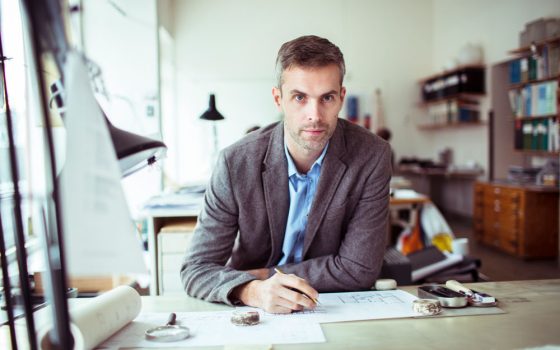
[(302, 190)]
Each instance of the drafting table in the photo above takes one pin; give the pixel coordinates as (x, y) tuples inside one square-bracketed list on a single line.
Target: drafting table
[(532, 319)]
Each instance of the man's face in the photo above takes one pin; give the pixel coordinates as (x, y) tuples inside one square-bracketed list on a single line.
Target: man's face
[(310, 99)]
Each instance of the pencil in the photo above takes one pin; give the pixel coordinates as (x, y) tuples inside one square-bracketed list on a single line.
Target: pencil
[(282, 273)]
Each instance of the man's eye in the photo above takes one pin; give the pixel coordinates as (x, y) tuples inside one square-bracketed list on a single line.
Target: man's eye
[(299, 98), (328, 98)]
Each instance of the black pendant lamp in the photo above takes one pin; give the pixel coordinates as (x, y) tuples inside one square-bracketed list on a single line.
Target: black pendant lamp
[(212, 113)]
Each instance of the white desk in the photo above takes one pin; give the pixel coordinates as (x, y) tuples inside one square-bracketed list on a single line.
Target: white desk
[(532, 319)]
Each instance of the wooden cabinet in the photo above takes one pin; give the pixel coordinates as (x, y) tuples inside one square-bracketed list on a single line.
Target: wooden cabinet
[(522, 221)]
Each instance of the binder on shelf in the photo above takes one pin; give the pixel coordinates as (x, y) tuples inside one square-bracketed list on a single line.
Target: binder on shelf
[(535, 136), (538, 135), (550, 135), (526, 95), (518, 136), (553, 61), (532, 72), (553, 135), (515, 72), (524, 69), (527, 135), (464, 80), (543, 135)]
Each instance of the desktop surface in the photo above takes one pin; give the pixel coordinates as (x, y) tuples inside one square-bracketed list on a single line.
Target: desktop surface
[(531, 319)]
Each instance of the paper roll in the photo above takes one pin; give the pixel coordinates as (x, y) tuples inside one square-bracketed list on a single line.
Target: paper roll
[(100, 318)]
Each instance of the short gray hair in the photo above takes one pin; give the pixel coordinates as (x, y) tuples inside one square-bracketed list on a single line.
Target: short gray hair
[(308, 51)]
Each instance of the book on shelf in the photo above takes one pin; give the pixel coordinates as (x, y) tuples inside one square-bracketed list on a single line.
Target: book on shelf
[(534, 135), (518, 136), (537, 135), (539, 99), (542, 66), (553, 61)]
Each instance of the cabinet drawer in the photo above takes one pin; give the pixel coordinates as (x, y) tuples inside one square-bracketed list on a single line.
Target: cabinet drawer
[(170, 274), (509, 237), (176, 242)]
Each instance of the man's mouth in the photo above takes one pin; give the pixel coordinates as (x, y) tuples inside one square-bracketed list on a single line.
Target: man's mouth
[(314, 131)]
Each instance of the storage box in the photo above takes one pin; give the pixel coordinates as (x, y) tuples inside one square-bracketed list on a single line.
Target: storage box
[(536, 30), (552, 28), (524, 39)]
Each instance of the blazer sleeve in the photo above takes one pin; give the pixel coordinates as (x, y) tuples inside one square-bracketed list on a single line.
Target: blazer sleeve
[(357, 263), (204, 273)]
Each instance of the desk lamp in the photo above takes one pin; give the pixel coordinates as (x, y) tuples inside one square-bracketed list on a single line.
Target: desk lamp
[(213, 115), (48, 39), (133, 151)]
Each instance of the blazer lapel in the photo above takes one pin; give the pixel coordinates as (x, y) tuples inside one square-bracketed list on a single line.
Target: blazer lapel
[(332, 171), (276, 191)]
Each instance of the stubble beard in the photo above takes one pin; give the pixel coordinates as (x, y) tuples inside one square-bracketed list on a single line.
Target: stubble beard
[(311, 145)]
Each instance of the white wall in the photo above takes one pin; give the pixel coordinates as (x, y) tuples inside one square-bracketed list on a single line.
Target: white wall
[(229, 48), (122, 40), (495, 26)]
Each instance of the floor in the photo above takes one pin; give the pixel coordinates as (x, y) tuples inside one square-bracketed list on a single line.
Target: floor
[(499, 266)]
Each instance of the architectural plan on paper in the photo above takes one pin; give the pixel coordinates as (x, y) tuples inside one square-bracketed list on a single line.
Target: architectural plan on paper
[(214, 328), (355, 306)]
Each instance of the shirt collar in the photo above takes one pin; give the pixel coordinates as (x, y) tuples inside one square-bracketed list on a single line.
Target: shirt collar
[(291, 165)]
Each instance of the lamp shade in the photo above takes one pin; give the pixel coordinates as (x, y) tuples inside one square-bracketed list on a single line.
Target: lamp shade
[(133, 151), (212, 113)]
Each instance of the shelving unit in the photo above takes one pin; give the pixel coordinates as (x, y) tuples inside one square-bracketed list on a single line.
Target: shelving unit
[(521, 219), (434, 126), (539, 153), (533, 91), (534, 81), (539, 44), (452, 98)]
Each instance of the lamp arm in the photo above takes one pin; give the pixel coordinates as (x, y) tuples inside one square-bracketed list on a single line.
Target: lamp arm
[(48, 35)]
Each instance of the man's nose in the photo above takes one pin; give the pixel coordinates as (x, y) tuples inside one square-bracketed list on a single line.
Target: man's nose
[(313, 111)]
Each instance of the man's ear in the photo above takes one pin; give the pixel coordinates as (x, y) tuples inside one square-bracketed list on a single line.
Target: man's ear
[(342, 93), (277, 95)]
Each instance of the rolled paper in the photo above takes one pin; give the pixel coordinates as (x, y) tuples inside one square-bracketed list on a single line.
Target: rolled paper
[(99, 318)]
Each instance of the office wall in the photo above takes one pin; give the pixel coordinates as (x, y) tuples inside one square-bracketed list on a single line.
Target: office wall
[(121, 37), (229, 48), (495, 26)]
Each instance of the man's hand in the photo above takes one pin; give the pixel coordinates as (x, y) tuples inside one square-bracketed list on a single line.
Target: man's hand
[(277, 294)]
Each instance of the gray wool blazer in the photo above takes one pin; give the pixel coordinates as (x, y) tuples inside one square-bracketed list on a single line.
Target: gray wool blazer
[(243, 221)]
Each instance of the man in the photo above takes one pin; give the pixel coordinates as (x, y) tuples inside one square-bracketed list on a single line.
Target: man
[(309, 194)]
